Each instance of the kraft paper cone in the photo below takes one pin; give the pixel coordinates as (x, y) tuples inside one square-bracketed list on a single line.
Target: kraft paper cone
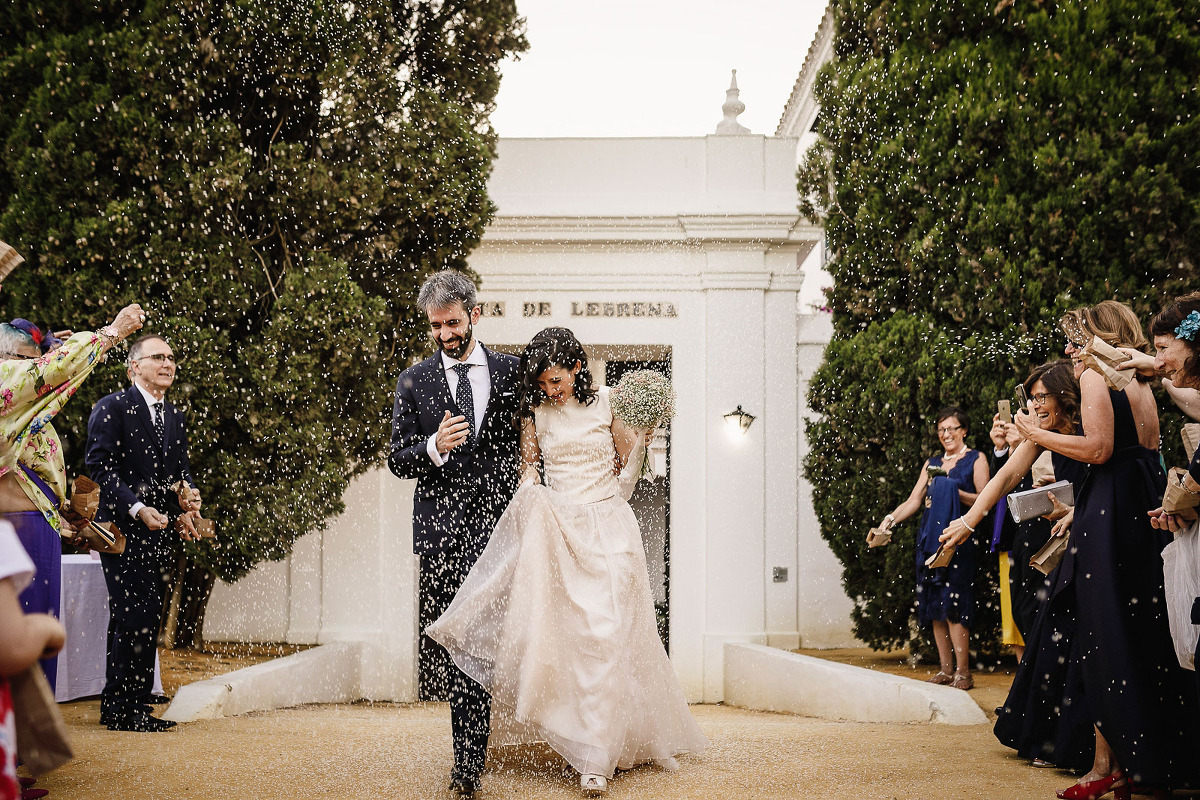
[(1191, 438), (941, 558), (1052, 552), (1178, 500), (85, 497), (9, 260), (1105, 359), (42, 741), (878, 537), (206, 528), (1043, 469)]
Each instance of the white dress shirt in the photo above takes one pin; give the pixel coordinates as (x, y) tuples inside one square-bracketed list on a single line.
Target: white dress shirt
[(150, 401), (481, 390)]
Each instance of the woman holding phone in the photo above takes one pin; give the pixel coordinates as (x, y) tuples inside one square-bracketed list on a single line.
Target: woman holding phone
[(1034, 721)]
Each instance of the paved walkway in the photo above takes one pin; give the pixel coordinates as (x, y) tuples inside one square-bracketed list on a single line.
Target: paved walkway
[(403, 751)]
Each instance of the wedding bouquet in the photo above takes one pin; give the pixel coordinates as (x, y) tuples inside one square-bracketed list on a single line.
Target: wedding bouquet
[(643, 400)]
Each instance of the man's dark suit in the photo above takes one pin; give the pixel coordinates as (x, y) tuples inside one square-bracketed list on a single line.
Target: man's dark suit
[(124, 457), (455, 508)]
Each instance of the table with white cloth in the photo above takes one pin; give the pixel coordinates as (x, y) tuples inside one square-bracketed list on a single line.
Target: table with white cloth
[(84, 613)]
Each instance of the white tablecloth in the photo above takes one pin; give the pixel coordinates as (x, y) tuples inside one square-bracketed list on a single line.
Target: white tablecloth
[(84, 614)]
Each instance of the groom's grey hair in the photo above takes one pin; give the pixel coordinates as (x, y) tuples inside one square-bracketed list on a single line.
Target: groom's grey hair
[(444, 289)]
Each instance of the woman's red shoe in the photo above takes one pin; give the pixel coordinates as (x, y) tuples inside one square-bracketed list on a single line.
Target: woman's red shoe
[(1093, 790)]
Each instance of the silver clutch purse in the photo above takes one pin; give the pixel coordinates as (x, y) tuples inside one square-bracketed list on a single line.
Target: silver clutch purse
[(1034, 502)]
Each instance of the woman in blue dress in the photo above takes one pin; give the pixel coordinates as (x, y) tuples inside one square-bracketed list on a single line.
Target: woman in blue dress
[(946, 595)]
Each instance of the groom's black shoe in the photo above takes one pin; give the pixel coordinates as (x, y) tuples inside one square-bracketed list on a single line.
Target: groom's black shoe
[(462, 785)]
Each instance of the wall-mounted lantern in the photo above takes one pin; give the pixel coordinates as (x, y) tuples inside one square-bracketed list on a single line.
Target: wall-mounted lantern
[(739, 421)]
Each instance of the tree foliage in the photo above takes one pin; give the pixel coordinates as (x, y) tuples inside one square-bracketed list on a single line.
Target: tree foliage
[(271, 181), (981, 170)]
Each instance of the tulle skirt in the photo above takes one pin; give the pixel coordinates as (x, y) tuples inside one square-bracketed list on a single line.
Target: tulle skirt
[(556, 621)]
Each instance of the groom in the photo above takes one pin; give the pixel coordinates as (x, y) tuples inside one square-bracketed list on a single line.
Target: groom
[(452, 430)]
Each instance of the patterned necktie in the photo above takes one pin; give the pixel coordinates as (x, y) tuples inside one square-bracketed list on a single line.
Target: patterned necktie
[(159, 429), (465, 399)]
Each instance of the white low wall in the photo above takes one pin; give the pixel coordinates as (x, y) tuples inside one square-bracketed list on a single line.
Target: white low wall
[(331, 673), (765, 679)]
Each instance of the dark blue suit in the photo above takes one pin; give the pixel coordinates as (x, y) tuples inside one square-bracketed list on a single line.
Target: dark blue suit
[(124, 458), (455, 508)]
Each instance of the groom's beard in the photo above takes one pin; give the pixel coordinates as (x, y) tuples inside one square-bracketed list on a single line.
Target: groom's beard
[(457, 348)]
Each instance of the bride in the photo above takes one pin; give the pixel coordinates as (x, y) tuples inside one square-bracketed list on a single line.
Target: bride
[(556, 619)]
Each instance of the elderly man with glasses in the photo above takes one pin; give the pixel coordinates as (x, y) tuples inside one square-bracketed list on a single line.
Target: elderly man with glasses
[(137, 450)]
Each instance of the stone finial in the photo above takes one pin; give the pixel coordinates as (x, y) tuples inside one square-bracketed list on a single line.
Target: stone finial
[(729, 126)]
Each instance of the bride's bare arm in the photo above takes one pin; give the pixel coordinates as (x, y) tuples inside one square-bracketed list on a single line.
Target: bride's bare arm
[(624, 440), (531, 454)]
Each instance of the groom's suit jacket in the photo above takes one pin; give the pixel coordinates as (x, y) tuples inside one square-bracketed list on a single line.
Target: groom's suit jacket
[(457, 504)]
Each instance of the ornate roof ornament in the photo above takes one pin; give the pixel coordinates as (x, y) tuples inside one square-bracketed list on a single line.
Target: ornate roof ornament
[(729, 126)]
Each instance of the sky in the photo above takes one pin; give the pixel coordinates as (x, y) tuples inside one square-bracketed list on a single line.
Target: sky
[(652, 67)]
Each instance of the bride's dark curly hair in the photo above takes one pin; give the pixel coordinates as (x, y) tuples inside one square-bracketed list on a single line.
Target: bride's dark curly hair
[(552, 347)]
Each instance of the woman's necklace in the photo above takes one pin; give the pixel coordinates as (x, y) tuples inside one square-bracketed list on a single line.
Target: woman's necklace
[(948, 456)]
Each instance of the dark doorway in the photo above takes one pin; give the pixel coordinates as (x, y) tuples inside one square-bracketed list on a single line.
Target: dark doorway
[(651, 504)]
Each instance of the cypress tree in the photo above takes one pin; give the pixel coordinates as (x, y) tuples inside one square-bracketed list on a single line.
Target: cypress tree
[(981, 170)]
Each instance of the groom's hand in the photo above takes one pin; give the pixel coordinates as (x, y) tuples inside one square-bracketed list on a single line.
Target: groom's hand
[(452, 432)]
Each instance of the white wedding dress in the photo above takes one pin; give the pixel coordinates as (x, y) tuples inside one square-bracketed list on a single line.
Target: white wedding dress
[(556, 619)]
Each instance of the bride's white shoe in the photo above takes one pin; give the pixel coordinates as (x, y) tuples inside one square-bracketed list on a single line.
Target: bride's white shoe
[(593, 785)]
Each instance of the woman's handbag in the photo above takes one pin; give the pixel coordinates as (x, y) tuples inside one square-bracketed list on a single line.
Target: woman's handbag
[(1052, 552), (1181, 579), (41, 733)]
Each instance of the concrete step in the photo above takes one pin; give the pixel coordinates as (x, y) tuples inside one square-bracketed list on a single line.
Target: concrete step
[(767, 679)]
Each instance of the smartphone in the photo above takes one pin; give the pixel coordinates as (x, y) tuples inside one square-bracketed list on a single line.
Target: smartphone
[(1024, 398), (1005, 410)]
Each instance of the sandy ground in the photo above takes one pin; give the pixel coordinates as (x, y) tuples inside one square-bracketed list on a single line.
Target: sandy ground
[(403, 751)]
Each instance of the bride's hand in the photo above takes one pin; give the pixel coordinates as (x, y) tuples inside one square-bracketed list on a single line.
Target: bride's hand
[(529, 476)]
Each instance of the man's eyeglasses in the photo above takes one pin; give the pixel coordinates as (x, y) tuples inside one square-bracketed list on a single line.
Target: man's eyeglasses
[(949, 430), (160, 358)]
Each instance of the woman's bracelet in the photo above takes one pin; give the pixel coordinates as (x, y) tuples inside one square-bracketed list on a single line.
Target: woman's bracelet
[(109, 333), (963, 520)]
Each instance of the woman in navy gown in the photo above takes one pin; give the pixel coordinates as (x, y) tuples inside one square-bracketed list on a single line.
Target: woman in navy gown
[(1035, 721), (1106, 615), (946, 595)]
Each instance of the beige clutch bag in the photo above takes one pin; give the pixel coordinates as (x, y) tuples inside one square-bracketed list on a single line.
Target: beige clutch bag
[(1052, 552)]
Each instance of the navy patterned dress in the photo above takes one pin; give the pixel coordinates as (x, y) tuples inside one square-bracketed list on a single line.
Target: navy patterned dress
[(946, 593)]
